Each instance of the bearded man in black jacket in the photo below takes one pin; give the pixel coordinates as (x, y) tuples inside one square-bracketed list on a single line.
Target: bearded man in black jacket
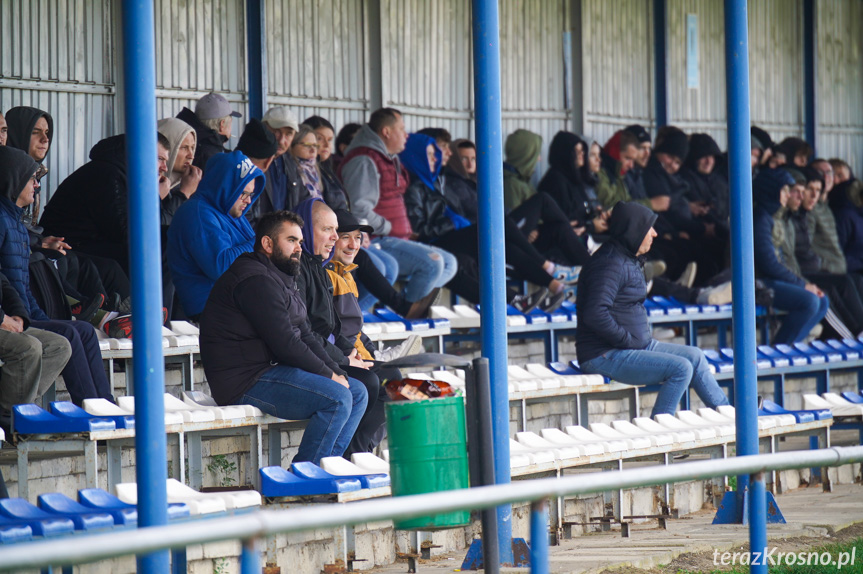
[(614, 338)]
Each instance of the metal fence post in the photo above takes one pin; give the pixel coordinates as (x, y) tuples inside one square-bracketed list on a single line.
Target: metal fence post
[(539, 537)]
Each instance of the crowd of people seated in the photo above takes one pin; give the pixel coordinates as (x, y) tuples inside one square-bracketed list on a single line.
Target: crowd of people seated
[(276, 248)]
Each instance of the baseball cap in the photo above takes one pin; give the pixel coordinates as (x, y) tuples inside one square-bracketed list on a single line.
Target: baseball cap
[(347, 222), (281, 117), (213, 106)]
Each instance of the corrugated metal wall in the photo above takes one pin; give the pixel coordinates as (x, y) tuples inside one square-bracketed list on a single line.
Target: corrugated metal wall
[(316, 58), (200, 47), (840, 82), (617, 43), (700, 109), (776, 66), (426, 63), (71, 76)]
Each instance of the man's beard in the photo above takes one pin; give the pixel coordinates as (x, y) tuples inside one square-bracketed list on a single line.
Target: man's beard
[(287, 264)]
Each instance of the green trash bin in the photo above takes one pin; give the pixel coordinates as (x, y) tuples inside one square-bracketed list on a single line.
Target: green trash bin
[(428, 453)]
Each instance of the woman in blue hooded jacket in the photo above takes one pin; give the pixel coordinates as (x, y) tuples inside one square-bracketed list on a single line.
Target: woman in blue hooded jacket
[(805, 303)]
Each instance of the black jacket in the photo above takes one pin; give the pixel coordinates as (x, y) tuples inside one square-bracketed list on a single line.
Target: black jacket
[(254, 319), (334, 192), (711, 189), (11, 303), (807, 259), (460, 194), (612, 289), (210, 142), (427, 211), (317, 290), (678, 218)]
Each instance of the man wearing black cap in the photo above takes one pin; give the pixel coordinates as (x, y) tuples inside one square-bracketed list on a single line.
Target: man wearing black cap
[(212, 121), (706, 187), (613, 337)]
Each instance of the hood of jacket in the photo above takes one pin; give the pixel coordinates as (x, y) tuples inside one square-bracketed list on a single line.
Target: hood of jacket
[(111, 150), (176, 131), (767, 186), (522, 151), (629, 224), (843, 196), (304, 210), (561, 155), (16, 167), (416, 161), (367, 137), (21, 121), (226, 176)]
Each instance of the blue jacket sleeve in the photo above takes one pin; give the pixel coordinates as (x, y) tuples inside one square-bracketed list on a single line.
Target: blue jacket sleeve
[(597, 300), (766, 261)]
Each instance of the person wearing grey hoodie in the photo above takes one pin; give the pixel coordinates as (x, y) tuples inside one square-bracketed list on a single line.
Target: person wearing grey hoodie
[(184, 176)]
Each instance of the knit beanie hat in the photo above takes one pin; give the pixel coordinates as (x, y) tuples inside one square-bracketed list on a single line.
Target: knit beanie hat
[(702, 145), (674, 143), (257, 142)]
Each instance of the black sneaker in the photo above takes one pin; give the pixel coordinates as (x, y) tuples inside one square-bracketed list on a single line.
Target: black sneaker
[(527, 303), (552, 303), (82, 311)]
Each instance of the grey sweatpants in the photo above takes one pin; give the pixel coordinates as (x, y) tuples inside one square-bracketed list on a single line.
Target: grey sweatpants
[(32, 360)]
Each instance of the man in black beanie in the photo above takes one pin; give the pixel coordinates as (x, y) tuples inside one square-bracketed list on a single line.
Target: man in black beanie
[(633, 177), (706, 187), (259, 144)]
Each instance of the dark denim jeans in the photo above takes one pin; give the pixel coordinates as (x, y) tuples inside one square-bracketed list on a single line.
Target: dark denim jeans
[(333, 411)]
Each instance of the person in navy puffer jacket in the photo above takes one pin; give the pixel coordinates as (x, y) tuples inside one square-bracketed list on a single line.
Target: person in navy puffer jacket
[(805, 302), (84, 374), (613, 337)]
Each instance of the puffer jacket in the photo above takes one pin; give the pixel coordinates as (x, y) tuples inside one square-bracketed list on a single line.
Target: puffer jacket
[(18, 168), (769, 230), (254, 319), (612, 289)]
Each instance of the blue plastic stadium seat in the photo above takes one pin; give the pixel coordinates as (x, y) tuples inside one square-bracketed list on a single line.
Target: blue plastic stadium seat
[(720, 363), (313, 471), (774, 356), (276, 481), (67, 410), (851, 354), (537, 317), (760, 362), (833, 355), (770, 408), (853, 397), (562, 368), (800, 357), (11, 532), (103, 501), (19, 511), (410, 324), (30, 419), (84, 518), (669, 305)]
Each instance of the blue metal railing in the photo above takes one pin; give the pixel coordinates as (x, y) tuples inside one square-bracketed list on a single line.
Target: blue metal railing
[(251, 527)]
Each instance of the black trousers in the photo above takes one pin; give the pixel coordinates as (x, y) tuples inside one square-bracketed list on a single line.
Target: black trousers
[(845, 297), (373, 280), (372, 427), (556, 237)]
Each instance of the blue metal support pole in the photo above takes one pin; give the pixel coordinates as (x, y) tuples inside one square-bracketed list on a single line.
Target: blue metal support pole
[(489, 144), (146, 272), (250, 557), (660, 61), (743, 262), (539, 537), (256, 42), (810, 59)]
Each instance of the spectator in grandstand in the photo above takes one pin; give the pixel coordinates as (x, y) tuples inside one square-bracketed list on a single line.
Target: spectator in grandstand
[(617, 158), (762, 146), (183, 174), (334, 193), (563, 182), (284, 187), (4, 130), (258, 144), (634, 181), (376, 182), (795, 150), (304, 150), (805, 302), (844, 290), (820, 220), (846, 202), (613, 337), (343, 141), (209, 231), (436, 222), (707, 189), (212, 121), (538, 215), (84, 375), (460, 179), (841, 171), (257, 347), (32, 358)]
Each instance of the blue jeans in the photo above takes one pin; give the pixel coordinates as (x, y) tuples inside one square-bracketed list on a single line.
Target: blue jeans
[(805, 310), (333, 411), (673, 367), (388, 267), (422, 266)]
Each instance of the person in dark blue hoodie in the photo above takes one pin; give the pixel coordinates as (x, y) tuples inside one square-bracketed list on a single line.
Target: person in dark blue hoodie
[(805, 302), (613, 337), (209, 232)]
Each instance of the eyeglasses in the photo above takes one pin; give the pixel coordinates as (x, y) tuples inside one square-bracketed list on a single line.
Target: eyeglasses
[(247, 195), (308, 146)]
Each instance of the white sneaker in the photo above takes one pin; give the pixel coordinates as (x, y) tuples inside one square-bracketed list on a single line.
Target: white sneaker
[(410, 346), (719, 295)]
